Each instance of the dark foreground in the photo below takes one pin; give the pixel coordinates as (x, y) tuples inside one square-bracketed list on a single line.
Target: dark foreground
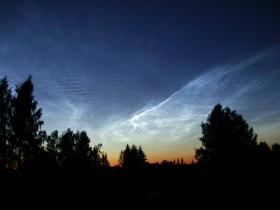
[(182, 187)]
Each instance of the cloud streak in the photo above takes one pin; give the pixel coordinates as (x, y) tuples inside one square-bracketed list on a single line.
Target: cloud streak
[(177, 118)]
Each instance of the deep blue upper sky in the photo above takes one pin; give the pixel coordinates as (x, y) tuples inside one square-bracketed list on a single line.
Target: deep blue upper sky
[(145, 72)]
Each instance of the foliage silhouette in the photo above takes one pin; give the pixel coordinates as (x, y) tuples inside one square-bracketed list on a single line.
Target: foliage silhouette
[(74, 151), (132, 157), (66, 148), (52, 142), (99, 157), (6, 143), (227, 138), (275, 149), (26, 122)]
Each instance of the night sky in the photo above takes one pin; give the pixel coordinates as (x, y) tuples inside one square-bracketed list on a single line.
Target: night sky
[(145, 72)]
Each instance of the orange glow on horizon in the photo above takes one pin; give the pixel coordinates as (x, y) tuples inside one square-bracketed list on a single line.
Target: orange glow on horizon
[(159, 159)]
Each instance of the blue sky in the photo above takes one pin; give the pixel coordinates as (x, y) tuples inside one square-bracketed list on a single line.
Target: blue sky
[(145, 72)]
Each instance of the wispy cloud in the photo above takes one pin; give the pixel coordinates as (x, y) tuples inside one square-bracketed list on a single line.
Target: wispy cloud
[(178, 117)]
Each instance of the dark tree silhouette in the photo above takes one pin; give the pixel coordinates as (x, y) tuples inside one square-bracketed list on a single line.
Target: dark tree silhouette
[(66, 148), (6, 144), (52, 144), (42, 137), (132, 157), (82, 150), (74, 151), (141, 159), (275, 148), (227, 138), (104, 160), (263, 155), (26, 122), (51, 149), (167, 163), (99, 158), (263, 149), (124, 157), (95, 155)]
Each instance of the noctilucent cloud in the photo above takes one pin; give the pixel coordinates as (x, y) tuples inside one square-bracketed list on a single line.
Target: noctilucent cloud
[(145, 72)]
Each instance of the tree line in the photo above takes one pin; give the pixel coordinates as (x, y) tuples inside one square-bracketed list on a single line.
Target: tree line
[(227, 139)]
